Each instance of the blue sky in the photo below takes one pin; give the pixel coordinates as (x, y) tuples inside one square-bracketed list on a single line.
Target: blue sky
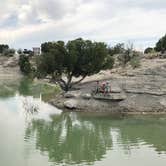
[(28, 23)]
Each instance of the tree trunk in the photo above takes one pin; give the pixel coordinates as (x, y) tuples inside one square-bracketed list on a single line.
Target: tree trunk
[(67, 85), (77, 82)]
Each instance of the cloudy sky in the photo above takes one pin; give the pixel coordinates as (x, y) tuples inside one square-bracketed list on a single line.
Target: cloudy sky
[(27, 23)]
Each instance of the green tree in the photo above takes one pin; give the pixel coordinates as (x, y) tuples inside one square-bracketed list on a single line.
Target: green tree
[(8, 52), (20, 51), (24, 64), (148, 50), (127, 54), (161, 44), (28, 52), (3, 47), (117, 49), (77, 58)]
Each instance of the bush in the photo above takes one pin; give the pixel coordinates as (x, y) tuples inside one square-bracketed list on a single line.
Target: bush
[(24, 64), (109, 63), (135, 62), (8, 52), (28, 52), (161, 45), (117, 49), (3, 47), (125, 57), (19, 51), (148, 50)]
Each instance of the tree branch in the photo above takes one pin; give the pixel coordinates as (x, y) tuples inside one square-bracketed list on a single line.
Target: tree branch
[(62, 83), (74, 83)]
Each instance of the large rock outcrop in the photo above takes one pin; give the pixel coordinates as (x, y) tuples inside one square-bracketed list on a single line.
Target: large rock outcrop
[(133, 91)]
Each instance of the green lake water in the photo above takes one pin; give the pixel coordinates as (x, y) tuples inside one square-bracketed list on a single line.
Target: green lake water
[(34, 133)]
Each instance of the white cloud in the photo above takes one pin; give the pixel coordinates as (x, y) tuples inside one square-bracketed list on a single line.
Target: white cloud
[(25, 23)]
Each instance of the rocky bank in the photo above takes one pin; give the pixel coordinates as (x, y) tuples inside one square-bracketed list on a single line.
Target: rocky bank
[(142, 90)]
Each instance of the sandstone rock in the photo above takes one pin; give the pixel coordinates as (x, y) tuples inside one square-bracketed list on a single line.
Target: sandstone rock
[(145, 91), (86, 96), (163, 102), (71, 104), (71, 94), (111, 97), (116, 89), (142, 103)]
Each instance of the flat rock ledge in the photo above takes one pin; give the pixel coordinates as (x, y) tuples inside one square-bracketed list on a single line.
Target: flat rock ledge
[(132, 104), (120, 101)]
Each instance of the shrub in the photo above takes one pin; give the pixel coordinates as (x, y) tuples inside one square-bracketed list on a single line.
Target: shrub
[(8, 52), (3, 47), (117, 49), (148, 50), (19, 51), (135, 62), (109, 63), (161, 45), (125, 57), (24, 64)]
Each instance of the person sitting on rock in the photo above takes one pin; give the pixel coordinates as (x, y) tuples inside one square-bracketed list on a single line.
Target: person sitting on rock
[(97, 87), (107, 88), (103, 88)]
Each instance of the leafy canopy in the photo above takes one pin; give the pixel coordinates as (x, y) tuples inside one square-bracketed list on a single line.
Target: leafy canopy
[(78, 58), (161, 44), (3, 47), (148, 50), (24, 64)]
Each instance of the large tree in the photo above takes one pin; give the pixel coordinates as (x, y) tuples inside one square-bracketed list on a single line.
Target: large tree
[(78, 58), (25, 66), (148, 50), (3, 47), (161, 44)]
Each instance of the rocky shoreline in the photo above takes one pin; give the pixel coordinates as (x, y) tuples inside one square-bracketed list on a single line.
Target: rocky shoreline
[(141, 91)]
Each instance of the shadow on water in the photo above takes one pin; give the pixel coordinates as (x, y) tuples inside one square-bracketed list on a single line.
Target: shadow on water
[(72, 138)]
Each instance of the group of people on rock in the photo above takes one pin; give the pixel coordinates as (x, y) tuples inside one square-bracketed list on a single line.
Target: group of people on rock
[(103, 87)]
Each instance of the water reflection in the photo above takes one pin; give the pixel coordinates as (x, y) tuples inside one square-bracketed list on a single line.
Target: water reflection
[(11, 87), (77, 138), (33, 132), (150, 131), (30, 105), (27, 87), (71, 140)]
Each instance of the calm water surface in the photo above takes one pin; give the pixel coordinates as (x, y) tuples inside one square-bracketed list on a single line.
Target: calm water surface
[(33, 133)]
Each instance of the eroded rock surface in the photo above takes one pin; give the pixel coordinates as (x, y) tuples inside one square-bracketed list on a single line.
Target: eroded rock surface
[(142, 90)]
